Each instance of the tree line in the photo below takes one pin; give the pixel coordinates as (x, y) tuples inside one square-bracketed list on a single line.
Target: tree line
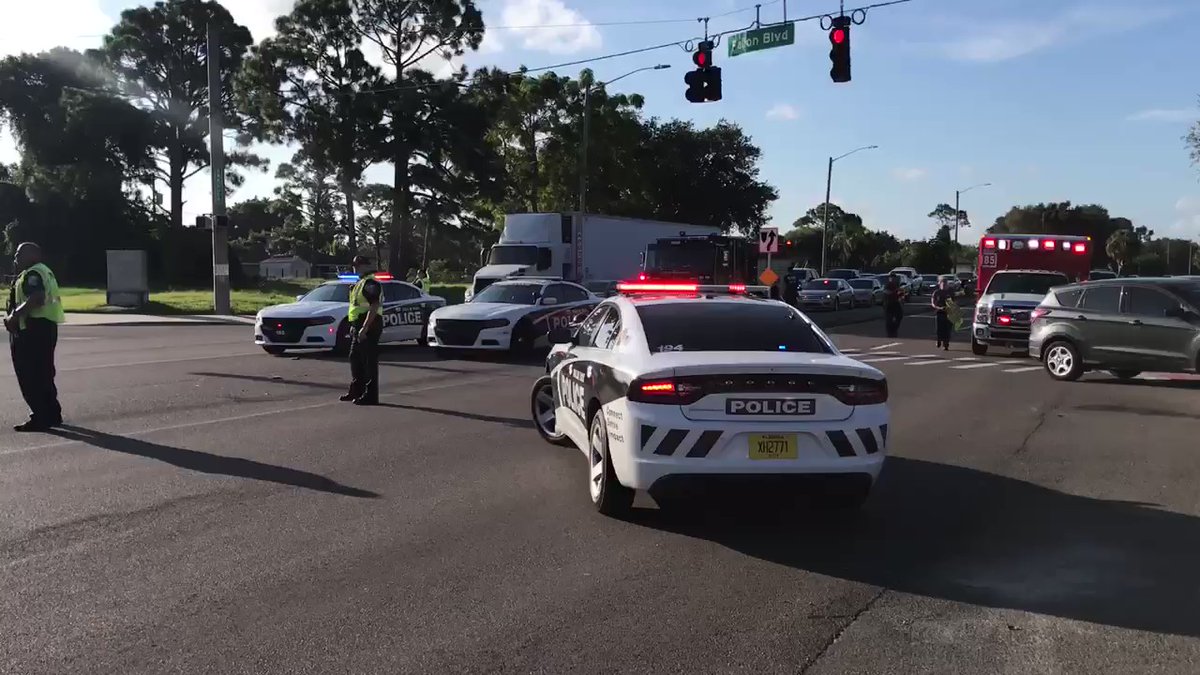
[(1119, 244), (110, 136)]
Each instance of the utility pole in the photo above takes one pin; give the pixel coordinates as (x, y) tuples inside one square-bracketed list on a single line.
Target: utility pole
[(956, 212), (825, 214), (216, 146), (583, 148)]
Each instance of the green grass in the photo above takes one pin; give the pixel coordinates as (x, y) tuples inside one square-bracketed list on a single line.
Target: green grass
[(199, 301)]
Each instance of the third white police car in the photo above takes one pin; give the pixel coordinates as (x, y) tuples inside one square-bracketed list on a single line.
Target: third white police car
[(514, 314), (317, 320), (677, 382)]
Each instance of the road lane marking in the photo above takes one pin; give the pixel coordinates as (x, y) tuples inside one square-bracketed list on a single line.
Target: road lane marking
[(926, 362), (255, 415), (969, 366), (884, 359), (966, 358), (890, 344), (1024, 369)]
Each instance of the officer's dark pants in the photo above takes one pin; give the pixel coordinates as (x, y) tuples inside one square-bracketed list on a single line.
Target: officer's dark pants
[(364, 361), (33, 361), (943, 328), (892, 316)]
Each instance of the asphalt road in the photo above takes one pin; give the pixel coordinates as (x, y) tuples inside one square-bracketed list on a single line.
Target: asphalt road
[(212, 509)]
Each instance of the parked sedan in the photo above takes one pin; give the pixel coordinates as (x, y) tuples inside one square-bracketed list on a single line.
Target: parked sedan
[(827, 294), (952, 283), (867, 290)]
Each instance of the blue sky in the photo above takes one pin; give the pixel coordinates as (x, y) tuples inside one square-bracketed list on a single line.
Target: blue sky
[(1050, 100)]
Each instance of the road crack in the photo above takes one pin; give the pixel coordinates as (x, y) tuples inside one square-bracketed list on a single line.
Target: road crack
[(866, 607), (1041, 421)]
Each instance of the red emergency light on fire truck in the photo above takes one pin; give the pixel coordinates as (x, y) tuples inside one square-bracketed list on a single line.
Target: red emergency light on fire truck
[(1069, 254)]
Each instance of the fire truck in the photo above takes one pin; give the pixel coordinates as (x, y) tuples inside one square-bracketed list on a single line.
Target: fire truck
[(1069, 254)]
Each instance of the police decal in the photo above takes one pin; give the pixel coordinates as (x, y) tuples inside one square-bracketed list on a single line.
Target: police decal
[(573, 390), (404, 316)]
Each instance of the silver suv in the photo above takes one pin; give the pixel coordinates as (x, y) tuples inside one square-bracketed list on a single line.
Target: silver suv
[(1125, 326)]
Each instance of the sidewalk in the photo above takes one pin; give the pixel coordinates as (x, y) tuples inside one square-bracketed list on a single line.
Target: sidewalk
[(122, 319)]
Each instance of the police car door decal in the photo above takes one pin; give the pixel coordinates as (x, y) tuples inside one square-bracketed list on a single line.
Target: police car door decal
[(572, 389), (401, 316)]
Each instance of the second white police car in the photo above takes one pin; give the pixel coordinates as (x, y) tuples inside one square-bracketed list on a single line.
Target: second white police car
[(676, 383), (514, 315), (317, 320)]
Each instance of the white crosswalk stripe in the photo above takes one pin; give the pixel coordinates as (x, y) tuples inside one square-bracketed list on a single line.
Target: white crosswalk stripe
[(881, 354), (890, 344), (1025, 369), (971, 366), (885, 359), (926, 362)]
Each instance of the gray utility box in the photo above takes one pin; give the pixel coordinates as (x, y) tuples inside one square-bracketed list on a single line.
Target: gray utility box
[(128, 279)]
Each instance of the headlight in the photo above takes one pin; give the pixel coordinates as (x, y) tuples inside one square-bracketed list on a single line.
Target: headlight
[(321, 321), (494, 323), (829, 296)]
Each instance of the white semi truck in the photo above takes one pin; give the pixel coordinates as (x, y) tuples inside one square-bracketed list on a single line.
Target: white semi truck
[(592, 250)]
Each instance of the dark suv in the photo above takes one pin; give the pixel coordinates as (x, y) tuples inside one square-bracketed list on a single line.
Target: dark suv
[(1125, 326)]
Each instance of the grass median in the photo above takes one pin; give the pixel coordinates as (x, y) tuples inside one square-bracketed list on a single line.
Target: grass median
[(244, 301)]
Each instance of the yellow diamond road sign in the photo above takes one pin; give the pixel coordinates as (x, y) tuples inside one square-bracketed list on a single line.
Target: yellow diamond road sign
[(768, 277)]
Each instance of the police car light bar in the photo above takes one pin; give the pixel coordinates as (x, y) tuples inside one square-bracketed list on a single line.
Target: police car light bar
[(684, 287), (381, 276)]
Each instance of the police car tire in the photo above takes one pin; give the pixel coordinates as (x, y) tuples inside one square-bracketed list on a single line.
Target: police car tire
[(612, 499), (341, 343), (274, 351), (544, 383)]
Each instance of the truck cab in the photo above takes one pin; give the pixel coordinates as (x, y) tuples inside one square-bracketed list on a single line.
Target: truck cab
[(531, 244), (705, 259)]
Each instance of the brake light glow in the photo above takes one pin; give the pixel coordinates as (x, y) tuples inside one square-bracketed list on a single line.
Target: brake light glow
[(1081, 247), (658, 387), (1004, 320), (671, 392), (1049, 245), (989, 243), (862, 393)]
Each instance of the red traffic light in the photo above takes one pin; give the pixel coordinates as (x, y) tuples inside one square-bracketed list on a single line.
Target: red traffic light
[(838, 36), (700, 59)]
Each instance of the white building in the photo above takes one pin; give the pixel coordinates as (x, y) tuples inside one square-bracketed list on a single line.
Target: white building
[(284, 267)]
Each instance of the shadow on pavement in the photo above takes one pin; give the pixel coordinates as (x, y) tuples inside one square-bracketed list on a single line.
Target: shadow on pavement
[(507, 421), (265, 379), (395, 356), (205, 462), (968, 536)]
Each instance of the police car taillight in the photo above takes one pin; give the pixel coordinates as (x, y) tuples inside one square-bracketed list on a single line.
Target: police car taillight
[(668, 391), (864, 392)]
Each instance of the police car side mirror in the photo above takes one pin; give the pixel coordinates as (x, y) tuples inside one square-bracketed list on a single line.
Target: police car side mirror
[(548, 301)]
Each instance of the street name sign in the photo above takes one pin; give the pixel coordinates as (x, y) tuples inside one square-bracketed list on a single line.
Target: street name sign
[(758, 39)]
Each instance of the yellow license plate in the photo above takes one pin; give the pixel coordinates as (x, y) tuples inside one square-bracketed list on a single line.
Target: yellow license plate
[(773, 446)]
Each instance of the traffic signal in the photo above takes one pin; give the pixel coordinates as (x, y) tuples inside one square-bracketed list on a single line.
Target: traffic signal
[(704, 83), (839, 49)]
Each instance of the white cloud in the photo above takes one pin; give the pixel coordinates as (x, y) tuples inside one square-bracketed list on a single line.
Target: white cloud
[(1166, 115), (1000, 40), (549, 26), (1187, 226), (782, 111), (909, 173), (259, 15)]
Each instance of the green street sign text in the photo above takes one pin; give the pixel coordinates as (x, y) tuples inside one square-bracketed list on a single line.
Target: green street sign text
[(762, 38)]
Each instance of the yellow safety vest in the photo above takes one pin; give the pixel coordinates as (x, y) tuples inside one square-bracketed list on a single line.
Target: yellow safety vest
[(52, 308), (359, 306)]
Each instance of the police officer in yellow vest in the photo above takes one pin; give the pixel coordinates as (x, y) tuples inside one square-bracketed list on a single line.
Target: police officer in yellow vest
[(34, 312), (366, 325)]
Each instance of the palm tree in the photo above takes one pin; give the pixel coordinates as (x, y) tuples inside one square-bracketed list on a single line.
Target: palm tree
[(1121, 247)]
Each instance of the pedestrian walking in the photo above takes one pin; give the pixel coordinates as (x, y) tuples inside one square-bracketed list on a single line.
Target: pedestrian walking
[(366, 326), (34, 312), (938, 300), (893, 305)]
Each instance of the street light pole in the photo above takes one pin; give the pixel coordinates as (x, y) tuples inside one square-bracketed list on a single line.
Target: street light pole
[(957, 194), (585, 135), (825, 206)]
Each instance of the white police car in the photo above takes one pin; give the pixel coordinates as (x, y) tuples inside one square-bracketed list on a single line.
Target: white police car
[(317, 320), (514, 314), (675, 383)]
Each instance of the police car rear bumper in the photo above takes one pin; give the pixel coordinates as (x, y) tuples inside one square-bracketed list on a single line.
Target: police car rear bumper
[(651, 443)]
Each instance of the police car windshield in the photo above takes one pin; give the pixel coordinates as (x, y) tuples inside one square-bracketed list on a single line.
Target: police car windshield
[(329, 293), (728, 327), (821, 285), (1033, 283), (511, 294)]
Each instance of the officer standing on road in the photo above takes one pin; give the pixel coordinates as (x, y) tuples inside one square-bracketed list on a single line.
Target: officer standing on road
[(790, 296), (893, 305), (34, 312), (366, 325), (938, 301)]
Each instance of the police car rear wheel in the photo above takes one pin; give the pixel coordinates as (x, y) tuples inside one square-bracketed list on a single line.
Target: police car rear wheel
[(608, 495), (542, 407)]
